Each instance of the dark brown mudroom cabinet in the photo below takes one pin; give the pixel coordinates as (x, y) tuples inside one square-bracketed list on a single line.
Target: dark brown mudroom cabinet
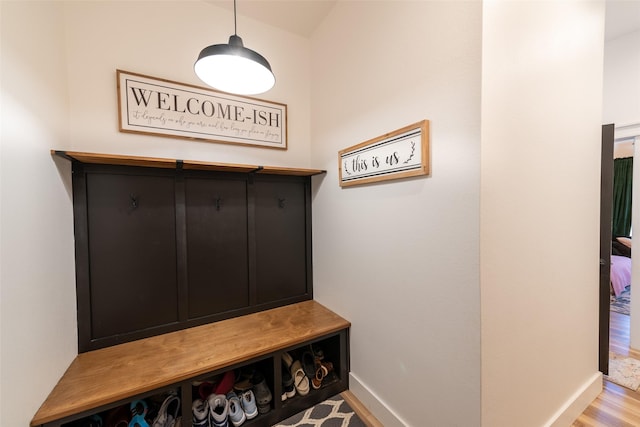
[(186, 271), (163, 245)]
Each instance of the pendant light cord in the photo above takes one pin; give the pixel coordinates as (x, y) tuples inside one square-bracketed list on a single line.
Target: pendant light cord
[(235, 19)]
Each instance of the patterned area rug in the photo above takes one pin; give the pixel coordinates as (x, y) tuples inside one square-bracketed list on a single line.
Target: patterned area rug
[(624, 371), (333, 412), (621, 303)]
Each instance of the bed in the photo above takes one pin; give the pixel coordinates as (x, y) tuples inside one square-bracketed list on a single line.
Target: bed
[(620, 265)]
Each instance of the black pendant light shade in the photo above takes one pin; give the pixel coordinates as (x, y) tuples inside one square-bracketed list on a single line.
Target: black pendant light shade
[(233, 68)]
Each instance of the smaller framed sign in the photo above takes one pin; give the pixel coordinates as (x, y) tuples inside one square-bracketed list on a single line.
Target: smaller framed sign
[(398, 154), (154, 106)]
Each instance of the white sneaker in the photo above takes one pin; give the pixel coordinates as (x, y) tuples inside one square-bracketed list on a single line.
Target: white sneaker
[(200, 409), (249, 407), (218, 410), (164, 417), (236, 414)]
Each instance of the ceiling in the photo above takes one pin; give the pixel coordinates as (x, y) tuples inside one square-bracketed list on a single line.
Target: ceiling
[(622, 17), (302, 17)]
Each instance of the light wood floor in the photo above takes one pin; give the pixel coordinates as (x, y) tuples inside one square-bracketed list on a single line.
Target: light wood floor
[(616, 406)]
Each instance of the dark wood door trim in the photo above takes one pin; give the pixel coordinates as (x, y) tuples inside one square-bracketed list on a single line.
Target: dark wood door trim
[(606, 214)]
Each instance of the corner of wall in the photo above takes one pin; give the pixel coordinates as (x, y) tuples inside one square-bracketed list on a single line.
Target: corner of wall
[(374, 404)]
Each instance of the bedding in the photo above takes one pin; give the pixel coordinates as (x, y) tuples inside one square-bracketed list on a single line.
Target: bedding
[(620, 248), (620, 273), (625, 241)]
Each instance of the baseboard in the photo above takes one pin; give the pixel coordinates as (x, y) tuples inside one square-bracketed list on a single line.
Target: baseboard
[(565, 416), (374, 404), (577, 403)]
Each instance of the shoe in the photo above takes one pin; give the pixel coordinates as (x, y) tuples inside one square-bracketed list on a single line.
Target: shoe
[(316, 382), (243, 381), (168, 412), (138, 420), (92, 421), (300, 379), (308, 364), (218, 410), (288, 390), (287, 359), (262, 393), (200, 409), (205, 389), (323, 369), (139, 409), (327, 367), (118, 417), (248, 401), (225, 385), (236, 414), (317, 352)]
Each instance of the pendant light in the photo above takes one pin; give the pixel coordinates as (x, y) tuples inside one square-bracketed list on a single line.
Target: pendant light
[(233, 68)]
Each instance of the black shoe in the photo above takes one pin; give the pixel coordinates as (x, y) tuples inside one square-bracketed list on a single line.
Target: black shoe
[(262, 393), (288, 390)]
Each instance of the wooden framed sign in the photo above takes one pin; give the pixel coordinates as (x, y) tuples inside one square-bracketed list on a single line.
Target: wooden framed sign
[(162, 107), (398, 154)]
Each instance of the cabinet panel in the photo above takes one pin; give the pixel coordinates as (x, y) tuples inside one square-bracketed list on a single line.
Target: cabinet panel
[(217, 258), (131, 228), (281, 239)]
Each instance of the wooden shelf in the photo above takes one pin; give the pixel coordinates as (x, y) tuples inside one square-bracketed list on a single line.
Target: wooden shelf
[(98, 378), (154, 162)]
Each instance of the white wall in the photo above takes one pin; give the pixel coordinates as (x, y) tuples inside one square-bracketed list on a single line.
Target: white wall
[(622, 81), (541, 118), (165, 44), (622, 107), (59, 92), (400, 259), (37, 288)]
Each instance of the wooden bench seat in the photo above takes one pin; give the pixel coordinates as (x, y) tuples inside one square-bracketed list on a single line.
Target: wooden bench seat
[(98, 378)]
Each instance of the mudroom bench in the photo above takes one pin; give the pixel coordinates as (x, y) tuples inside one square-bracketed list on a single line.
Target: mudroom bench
[(100, 380)]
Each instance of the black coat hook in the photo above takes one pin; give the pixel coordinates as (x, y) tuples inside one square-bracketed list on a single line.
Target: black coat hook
[(218, 201), (281, 203), (134, 201)]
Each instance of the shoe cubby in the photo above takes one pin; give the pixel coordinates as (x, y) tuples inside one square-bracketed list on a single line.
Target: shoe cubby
[(144, 410), (249, 348), (252, 384), (335, 352)]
